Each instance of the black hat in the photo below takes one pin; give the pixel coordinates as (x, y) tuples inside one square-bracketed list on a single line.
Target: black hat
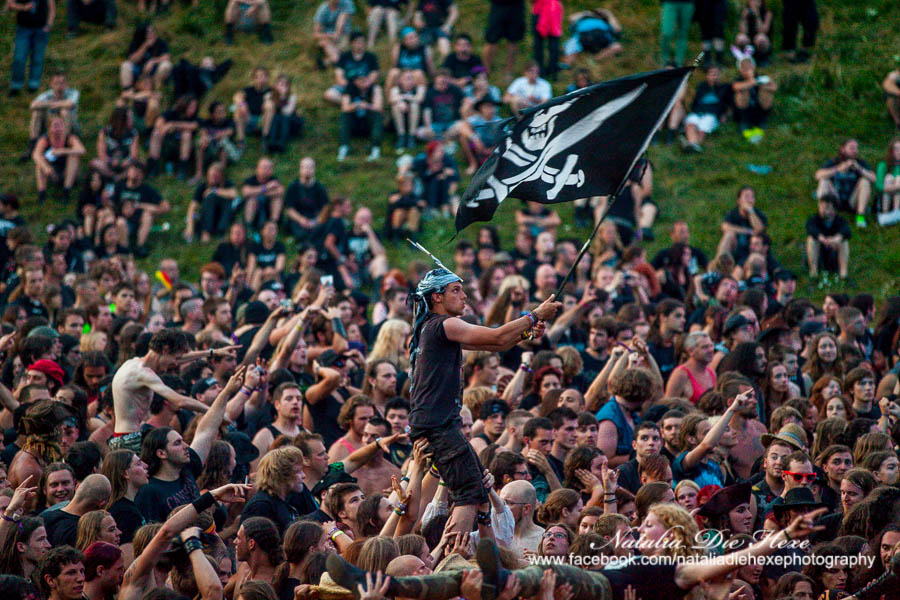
[(255, 313), (483, 101), (273, 285), (734, 322), (725, 499), (771, 334), (332, 477), (798, 497), (330, 358), (492, 407), (244, 450), (202, 385)]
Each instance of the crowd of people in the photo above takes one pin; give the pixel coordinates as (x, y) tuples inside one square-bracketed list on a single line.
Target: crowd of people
[(168, 438)]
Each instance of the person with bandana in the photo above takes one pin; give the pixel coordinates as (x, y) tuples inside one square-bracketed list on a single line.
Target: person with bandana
[(438, 338)]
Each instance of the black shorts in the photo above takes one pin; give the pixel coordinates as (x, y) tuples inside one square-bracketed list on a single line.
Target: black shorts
[(505, 22), (457, 463)]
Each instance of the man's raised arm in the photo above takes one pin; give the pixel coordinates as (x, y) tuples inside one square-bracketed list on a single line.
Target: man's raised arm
[(500, 339)]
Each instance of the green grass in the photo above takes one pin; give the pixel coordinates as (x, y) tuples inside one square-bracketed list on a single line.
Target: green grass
[(817, 105)]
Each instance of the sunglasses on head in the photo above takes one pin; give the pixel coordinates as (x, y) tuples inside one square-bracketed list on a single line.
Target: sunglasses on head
[(798, 477)]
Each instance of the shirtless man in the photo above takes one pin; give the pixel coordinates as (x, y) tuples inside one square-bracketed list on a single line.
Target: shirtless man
[(747, 432), (288, 402), (375, 475), (138, 378), (693, 377)]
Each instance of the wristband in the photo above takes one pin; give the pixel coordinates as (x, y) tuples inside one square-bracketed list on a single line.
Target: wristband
[(203, 502), (532, 317), (405, 478), (401, 506), (13, 519), (246, 390), (525, 368), (399, 513), (787, 535), (527, 334), (192, 544), (434, 471), (441, 483)]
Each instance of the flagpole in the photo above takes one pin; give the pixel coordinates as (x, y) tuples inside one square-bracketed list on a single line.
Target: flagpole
[(609, 204)]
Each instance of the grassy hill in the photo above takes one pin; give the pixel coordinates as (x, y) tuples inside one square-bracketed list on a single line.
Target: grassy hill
[(817, 105)]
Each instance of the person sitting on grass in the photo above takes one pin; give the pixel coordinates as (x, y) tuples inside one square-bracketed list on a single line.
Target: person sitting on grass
[(59, 101), (286, 123), (361, 106), (479, 134), (753, 99), (212, 199), (410, 54), (248, 15), (56, 157), (352, 63), (175, 128), (117, 145), (404, 209), (147, 54), (528, 90), (827, 239), (331, 25), (849, 178), (435, 20), (406, 99), (263, 194), (387, 11), (252, 113), (709, 109), (139, 204), (887, 185), (440, 116), (144, 101), (214, 144)]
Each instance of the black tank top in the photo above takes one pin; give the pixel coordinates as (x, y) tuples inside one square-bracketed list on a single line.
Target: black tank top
[(436, 395)]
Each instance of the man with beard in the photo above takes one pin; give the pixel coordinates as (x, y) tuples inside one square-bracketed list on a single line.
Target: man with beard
[(694, 376), (747, 431), (138, 378), (380, 384), (375, 475), (288, 403), (218, 317), (103, 571), (174, 466), (596, 353)]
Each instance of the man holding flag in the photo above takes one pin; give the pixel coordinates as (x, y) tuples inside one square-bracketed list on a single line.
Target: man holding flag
[(438, 338)]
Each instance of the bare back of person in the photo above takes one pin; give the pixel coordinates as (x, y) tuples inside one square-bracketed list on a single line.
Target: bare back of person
[(375, 479), (131, 395), (748, 447)]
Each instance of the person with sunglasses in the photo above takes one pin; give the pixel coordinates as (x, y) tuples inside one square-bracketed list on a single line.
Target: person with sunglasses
[(796, 472)]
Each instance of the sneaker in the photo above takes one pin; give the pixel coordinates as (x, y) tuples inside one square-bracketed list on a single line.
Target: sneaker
[(861, 221), (374, 155), (343, 151)]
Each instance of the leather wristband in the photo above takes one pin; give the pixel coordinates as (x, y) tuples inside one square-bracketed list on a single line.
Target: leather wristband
[(203, 502)]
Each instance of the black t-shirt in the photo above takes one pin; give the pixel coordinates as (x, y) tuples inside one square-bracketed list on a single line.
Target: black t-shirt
[(142, 194), (62, 527), (845, 183), (267, 257), (336, 227), (664, 357), (229, 255), (696, 265), (157, 499), (302, 502), (253, 181), (198, 198), (444, 105), (434, 12), (254, 99), (173, 116), (264, 504), (128, 518), (213, 127), (592, 366), (357, 67), (359, 247), (308, 200), (436, 392), (358, 94), (34, 18), (461, 67), (649, 581), (628, 476), (712, 100), (33, 307), (158, 48), (324, 416), (816, 226)]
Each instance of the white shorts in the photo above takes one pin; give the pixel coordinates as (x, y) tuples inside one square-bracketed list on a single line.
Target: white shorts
[(706, 123)]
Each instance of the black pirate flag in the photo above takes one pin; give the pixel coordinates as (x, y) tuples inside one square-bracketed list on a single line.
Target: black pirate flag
[(580, 145)]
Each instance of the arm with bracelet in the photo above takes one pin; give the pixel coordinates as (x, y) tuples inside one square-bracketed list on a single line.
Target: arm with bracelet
[(499, 339), (208, 583)]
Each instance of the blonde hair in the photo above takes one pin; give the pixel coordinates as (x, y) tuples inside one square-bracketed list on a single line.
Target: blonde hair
[(89, 527), (277, 470), (474, 397), (92, 341), (682, 529), (390, 343)]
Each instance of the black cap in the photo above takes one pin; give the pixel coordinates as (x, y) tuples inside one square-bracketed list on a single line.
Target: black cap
[(244, 450), (809, 328), (734, 323), (330, 358), (255, 313), (202, 385), (273, 285)]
